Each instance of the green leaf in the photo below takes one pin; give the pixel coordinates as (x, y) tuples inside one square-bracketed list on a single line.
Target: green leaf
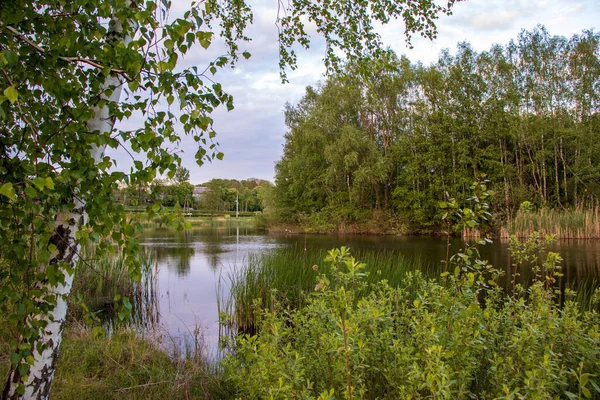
[(39, 183), (23, 369), (11, 94), (8, 190), (30, 191), (133, 85), (15, 358), (205, 43), (98, 332), (49, 183), (584, 379), (246, 55)]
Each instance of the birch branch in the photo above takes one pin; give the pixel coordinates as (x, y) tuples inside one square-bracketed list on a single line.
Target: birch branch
[(94, 64)]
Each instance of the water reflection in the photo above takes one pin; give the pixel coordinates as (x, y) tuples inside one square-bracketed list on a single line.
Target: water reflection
[(191, 263)]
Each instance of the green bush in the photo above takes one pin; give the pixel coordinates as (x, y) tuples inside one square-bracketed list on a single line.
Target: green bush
[(461, 338)]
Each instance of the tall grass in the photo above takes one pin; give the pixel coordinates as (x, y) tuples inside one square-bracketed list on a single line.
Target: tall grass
[(99, 279), (286, 275), (565, 224), (125, 366)]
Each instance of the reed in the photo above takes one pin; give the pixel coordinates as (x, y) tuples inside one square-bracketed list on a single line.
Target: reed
[(100, 278), (565, 224), (285, 276)]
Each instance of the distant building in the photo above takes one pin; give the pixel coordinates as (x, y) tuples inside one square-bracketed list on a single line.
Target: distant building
[(199, 191)]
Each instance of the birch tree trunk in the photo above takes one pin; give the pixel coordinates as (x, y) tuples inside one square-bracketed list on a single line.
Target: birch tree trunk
[(41, 373)]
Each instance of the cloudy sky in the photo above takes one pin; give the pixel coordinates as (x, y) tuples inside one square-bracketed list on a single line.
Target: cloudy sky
[(251, 136)]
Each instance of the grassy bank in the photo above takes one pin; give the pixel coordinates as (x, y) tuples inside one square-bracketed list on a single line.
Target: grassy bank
[(195, 220), (124, 366), (121, 363), (565, 224), (372, 223)]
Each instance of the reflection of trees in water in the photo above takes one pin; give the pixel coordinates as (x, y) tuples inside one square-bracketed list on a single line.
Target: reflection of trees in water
[(212, 248), (177, 253), (176, 258), (581, 258)]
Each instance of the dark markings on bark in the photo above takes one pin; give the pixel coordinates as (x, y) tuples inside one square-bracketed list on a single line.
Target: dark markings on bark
[(66, 252), (43, 383)]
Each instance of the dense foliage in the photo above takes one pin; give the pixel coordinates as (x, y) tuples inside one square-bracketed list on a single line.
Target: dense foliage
[(69, 70), (421, 339), (393, 137)]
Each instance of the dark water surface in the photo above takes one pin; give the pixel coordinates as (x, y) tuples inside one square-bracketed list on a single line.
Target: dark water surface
[(190, 265)]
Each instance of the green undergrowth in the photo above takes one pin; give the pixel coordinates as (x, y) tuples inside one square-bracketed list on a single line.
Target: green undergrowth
[(286, 275), (460, 338), (125, 366)]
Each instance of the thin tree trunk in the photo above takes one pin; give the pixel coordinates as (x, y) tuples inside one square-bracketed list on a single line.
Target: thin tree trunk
[(564, 162), (386, 196), (41, 373), (377, 195), (556, 176), (504, 161), (543, 168)]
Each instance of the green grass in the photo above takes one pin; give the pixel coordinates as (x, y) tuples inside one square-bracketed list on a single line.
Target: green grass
[(287, 275), (565, 224), (124, 366)]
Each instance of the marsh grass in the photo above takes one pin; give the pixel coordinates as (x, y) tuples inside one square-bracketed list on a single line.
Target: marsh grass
[(565, 224), (286, 275), (100, 278)]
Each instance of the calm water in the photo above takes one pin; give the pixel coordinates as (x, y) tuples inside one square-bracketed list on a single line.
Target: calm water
[(190, 265)]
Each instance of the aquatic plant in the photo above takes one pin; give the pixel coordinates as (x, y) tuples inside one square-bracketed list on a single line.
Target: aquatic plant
[(284, 276), (564, 224)]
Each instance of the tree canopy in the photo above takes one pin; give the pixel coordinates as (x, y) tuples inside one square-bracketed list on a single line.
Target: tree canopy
[(390, 136)]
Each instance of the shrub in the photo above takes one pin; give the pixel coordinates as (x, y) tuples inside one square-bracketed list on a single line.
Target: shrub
[(461, 338)]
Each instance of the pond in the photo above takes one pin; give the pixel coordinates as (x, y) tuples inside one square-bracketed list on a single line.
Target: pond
[(194, 266)]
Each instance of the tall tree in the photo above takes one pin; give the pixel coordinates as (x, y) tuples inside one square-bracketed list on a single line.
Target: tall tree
[(182, 174), (525, 114), (66, 78)]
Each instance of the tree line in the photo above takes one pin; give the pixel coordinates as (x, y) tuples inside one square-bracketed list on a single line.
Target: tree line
[(215, 195), (391, 137)]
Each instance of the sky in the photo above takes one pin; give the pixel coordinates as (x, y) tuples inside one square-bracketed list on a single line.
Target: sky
[(252, 135)]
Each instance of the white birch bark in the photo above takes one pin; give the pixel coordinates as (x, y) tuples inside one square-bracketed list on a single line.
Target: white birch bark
[(39, 380)]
